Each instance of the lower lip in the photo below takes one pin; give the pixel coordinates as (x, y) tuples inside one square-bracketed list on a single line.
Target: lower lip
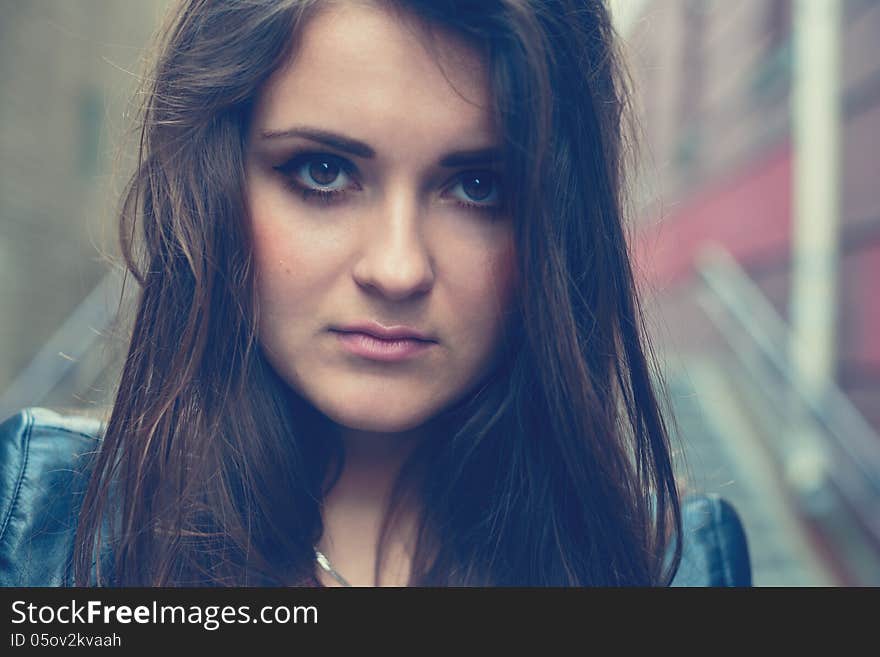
[(389, 351)]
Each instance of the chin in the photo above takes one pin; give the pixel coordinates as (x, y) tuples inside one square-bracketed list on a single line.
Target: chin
[(381, 424), (372, 417)]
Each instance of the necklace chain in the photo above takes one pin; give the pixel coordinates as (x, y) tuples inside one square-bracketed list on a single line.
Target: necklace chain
[(324, 562)]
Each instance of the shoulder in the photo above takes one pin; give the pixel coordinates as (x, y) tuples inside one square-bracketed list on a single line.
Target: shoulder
[(714, 547), (45, 463)]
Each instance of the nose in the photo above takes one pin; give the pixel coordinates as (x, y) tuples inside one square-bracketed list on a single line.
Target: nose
[(395, 261)]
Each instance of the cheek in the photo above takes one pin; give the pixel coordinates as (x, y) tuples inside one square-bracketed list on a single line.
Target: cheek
[(482, 293), (499, 284), (286, 257), (285, 286), (273, 241), (287, 270), (275, 258), (505, 274)]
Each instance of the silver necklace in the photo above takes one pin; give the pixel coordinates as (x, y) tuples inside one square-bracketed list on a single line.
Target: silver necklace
[(324, 562)]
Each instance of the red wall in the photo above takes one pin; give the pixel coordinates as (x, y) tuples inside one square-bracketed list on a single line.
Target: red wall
[(749, 214)]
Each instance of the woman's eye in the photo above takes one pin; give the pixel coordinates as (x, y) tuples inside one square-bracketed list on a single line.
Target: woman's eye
[(321, 172), (327, 178), (318, 175), (479, 189)]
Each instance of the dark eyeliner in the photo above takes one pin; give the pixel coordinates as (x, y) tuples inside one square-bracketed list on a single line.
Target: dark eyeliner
[(326, 197), (480, 207), (290, 166)]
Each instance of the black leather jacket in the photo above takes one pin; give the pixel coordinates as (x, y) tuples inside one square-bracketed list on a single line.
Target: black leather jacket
[(44, 474)]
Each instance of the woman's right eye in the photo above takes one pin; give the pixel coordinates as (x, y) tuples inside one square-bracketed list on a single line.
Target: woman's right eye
[(318, 176)]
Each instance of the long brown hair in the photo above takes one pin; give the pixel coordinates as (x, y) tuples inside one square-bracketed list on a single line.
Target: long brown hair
[(555, 471)]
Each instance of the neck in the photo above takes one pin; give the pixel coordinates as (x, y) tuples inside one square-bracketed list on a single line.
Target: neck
[(353, 510)]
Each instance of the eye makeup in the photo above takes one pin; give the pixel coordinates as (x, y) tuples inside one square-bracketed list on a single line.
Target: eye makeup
[(299, 174), (292, 169)]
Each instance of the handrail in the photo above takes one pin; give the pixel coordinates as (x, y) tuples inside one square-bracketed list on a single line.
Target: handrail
[(65, 349), (848, 435)]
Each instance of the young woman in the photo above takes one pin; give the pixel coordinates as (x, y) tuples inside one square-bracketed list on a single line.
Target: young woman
[(387, 332)]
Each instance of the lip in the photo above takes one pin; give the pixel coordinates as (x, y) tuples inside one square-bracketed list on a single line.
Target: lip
[(386, 332), (379, 349)]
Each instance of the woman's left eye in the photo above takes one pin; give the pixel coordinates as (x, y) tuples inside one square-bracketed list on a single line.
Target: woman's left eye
[(480, 190)]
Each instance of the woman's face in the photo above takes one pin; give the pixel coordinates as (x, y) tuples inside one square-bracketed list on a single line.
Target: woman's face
[(371, 203)]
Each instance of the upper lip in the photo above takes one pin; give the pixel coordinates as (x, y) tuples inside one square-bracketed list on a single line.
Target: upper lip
[(386, 332)]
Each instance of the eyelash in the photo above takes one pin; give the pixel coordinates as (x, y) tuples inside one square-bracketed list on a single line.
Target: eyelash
[(328, 197)]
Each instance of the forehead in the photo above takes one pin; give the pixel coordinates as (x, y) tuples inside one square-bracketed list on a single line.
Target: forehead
[(359, 68)]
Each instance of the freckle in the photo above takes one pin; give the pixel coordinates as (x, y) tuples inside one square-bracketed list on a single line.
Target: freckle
[(287, 270)]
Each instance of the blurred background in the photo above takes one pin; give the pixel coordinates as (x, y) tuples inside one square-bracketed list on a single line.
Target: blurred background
[(756, 238), (68, 70)]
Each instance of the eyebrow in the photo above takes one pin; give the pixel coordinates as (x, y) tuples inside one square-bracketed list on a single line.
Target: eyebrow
[(360, 149)]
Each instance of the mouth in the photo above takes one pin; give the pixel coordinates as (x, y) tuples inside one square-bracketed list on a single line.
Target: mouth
[(377, 330), (369, 346)]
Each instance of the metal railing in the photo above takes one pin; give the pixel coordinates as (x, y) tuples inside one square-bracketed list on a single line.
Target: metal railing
[(825, 445), (73, 343)]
